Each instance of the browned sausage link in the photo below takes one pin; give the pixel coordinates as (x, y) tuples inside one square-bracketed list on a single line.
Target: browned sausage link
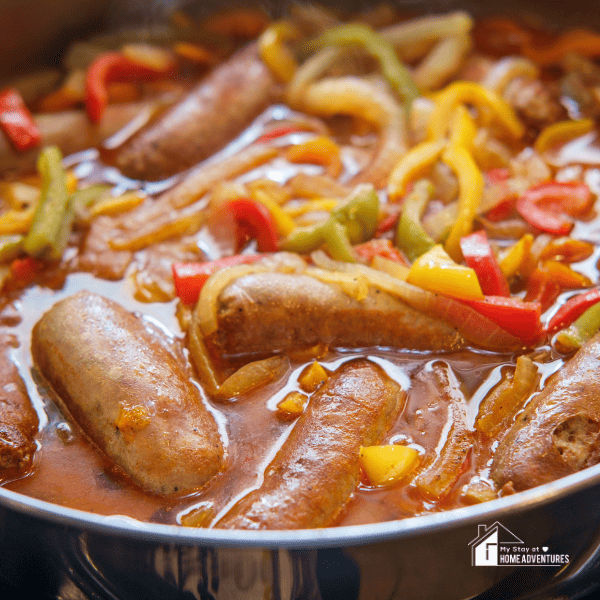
[(210, 116), (18, 419), (271, 312), (315, 472), (128, 393), (558, 433)]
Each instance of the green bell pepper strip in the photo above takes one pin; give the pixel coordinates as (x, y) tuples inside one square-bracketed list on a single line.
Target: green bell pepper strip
[(410, 235), (352, 222), (396, 74), (46, 235), (579, 332)]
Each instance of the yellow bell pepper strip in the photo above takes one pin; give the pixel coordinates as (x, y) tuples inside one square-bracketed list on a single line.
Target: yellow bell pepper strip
[(437, 272), (579, 332), (47, 236), (396, 74), (385, 465), (520, 318), (275, 54), (463, 129), (547, 206), (467, 92), (411, 238), (518, 257), (561, 132), (321, 151), (471, 182), (480, 257), (283, 221), (572, 309), (413, 164)]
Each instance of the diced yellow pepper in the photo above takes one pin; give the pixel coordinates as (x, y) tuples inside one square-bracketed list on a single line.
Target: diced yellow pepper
[(292, 405), (517, 256), (384, 465), (561, 132), (412, 165), (312, 377), (437, 272)]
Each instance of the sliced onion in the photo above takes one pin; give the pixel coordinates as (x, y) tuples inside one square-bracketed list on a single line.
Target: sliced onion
[(507, 69), (252, 376)]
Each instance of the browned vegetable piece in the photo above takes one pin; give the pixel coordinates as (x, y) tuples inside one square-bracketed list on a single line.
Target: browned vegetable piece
[(558, 433), (313, 475), (128, 392), (18, 419), (211, 115), (276, 312)]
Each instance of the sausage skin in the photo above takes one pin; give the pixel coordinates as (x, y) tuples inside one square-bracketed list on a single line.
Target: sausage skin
[(210, 116), (314, 473), (277, 312), (18, 419), (559, 431), (128, 393)]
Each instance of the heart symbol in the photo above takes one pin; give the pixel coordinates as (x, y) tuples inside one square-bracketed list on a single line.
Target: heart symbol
[(545, 548)]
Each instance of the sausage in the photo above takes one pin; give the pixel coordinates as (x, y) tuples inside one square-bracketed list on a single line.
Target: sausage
[(211, 115), (314, 473), (18, 419), (276, 312), (128, 392), (558, 433)]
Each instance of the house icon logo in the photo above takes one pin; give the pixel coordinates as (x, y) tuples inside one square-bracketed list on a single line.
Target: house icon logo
[(485, 547)]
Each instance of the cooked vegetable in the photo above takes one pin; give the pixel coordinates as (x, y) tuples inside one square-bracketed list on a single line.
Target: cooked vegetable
[(255, 221), (410, 235), (16, 121), (579, 332), (572, 309), (386, 465)]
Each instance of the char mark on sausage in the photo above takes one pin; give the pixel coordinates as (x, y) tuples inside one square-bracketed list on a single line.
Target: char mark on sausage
[(128, 392), (314, 473)]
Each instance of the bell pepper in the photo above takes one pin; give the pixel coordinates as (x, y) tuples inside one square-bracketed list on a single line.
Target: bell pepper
[(114, 66), (567, 250), (470, 181), (276, 55), (561, 132), (396, 74), (576, 41), (16, 121), (379, 247), (572, 309), (437, 272), (548, 205), (410, 235), (579, 332), (518, 258), (254, 220), (330, 233), (282, 220), (278, 132), (25, 270), (468, 92), (479, 256), (190, 277), (385, 465), (321, 151), (463, 129), (520, 318)]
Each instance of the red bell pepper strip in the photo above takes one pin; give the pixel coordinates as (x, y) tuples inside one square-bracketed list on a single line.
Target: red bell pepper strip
[(520, 318), (189, 278), (254, 220), (379, 247), (278, 132), (479, 256), (572, 309), (547, 205), (109, 67), (16, 121), (25, 270)]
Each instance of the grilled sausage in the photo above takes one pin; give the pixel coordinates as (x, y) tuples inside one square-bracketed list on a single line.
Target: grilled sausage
[(18, 419), (313, 475), (276, 312), (128, 393), (559, 431), (211, 115)]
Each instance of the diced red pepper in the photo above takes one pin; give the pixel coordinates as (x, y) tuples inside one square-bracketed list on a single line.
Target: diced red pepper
[(278, 132), (479, 256), (254, 221), (110, 67), (189, 278), (379, 247), (547, 205), (16, 121), (520, 318), (572, 309)]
